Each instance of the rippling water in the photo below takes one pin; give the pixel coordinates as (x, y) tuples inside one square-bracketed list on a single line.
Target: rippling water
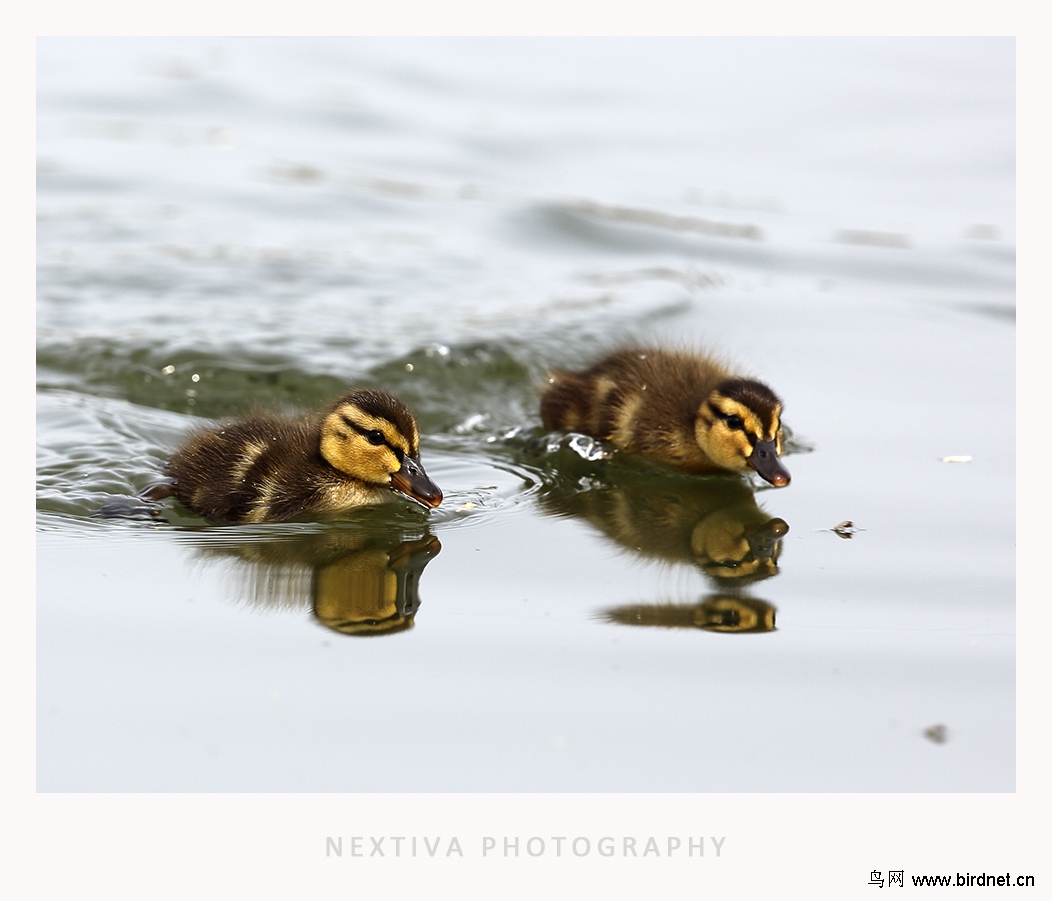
[(232, 223)]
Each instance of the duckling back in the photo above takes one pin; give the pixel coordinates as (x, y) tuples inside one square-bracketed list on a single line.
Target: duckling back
[(251, 470), (642, 400)]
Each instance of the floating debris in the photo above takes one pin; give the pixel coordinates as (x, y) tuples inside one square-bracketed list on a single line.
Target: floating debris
[(936, 733), (962, 458), (463, 507), (846, 529)]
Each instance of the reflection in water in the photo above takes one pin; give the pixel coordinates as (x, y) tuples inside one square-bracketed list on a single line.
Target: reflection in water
[(712, 523), (717, 613), (355, 583)]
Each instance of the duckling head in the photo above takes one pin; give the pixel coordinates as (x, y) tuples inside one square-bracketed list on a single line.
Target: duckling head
[(739, 427), (372, 436)]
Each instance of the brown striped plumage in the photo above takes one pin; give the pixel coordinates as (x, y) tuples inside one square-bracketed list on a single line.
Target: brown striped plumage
[(681, 408), (360, 451)]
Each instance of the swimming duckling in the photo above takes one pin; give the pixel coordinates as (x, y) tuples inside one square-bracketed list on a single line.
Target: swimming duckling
[(677, 407), (360, 451)]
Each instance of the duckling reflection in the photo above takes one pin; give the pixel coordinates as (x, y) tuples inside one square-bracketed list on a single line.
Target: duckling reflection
[(716, 613), (354, 583), (714, 523)]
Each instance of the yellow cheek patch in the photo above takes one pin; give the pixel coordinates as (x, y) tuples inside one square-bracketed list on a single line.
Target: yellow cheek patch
[(374, 463), (352, 453), (742, 442)]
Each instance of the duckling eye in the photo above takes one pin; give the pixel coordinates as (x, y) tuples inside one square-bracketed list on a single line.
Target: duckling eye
[(375, 436), (734, 422)]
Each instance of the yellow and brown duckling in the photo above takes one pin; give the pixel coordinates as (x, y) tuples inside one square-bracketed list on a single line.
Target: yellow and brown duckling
[(363, 450), (677, 407)]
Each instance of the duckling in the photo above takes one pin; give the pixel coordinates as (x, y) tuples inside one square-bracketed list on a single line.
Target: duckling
[(677, 407), (359, 451)]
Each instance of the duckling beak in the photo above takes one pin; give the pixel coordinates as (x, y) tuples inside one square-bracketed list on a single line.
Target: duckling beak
[(413, 482), (764, 459)]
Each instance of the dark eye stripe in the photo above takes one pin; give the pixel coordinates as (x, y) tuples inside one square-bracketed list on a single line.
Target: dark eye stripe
[(725, 416), (370, 434)]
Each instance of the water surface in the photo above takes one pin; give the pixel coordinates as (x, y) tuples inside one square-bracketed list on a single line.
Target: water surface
[(225, 223)]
